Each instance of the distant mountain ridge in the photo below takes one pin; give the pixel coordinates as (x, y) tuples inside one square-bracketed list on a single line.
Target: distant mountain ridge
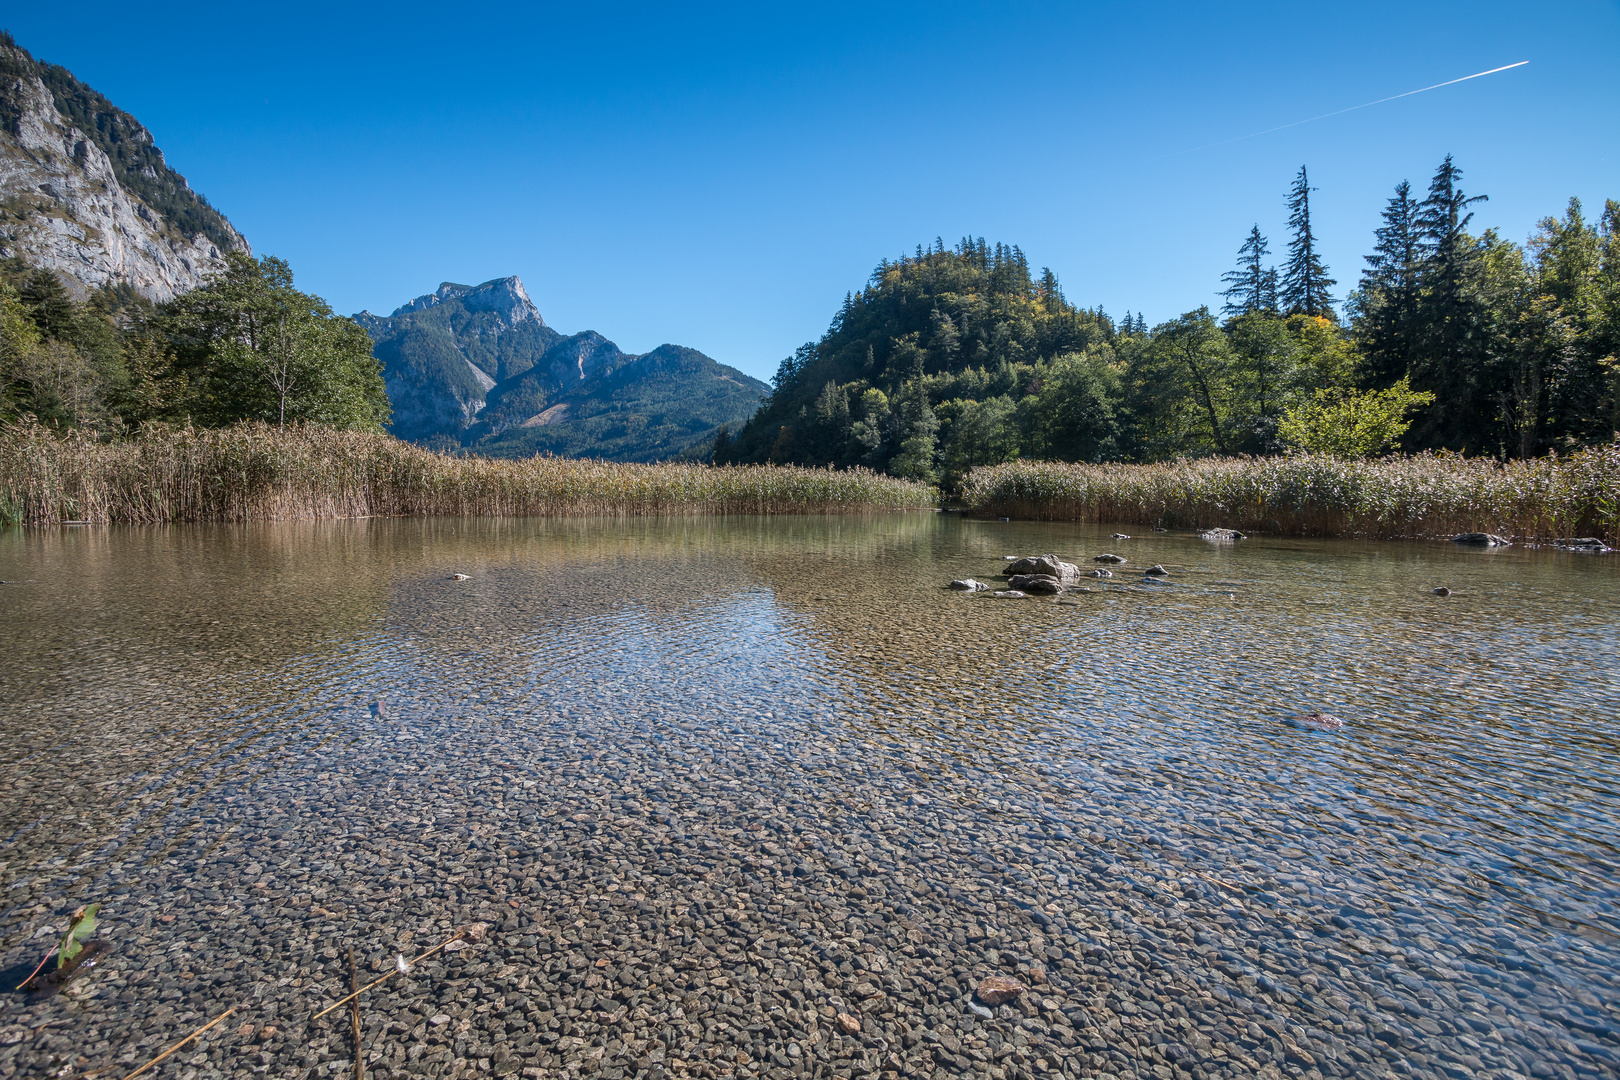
[(478, 366), (85, 191)]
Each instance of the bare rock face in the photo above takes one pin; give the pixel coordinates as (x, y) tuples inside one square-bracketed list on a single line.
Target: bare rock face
[(66, 206)]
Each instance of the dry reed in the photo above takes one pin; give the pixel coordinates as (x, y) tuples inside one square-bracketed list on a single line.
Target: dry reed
[(1312, 495), (259, 472)]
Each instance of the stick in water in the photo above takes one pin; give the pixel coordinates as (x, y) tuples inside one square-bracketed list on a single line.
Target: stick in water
[(354, 1015), (182, 1042), (457, 936)]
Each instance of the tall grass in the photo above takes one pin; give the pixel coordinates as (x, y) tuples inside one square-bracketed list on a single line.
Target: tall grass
[(1311, 495), (258, 472)]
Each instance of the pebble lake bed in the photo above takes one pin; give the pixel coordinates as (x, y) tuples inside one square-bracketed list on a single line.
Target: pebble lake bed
[(761, 797)]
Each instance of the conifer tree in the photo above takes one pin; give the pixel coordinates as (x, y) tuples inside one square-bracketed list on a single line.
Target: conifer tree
[(1247, 291), (1389, 295), (1451, 346), (1305, 282)]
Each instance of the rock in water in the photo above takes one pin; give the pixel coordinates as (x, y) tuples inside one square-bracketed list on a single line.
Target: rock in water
[(969, 585), (1481, 540), (1442, 591), (1120, 536), (1099, 573), (1222, 534), (1581, 543), (1156, 571), (1317, 721), (1036, 584), (1108, 558), (1010, 594), (459, 577), (379, 708), (998, 989), (1050, 565)]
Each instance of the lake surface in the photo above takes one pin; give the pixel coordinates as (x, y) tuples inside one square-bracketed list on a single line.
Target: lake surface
[(714, 782)]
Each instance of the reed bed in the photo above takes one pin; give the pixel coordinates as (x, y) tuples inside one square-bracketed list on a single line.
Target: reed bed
[(1312, 495), (259, 472)]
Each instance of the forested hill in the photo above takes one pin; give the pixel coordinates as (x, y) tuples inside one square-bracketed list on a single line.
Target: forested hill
[(1452, 340), (970, 323)]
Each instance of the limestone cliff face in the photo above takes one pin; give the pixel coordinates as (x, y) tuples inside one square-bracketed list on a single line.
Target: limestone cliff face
[(68, 205)]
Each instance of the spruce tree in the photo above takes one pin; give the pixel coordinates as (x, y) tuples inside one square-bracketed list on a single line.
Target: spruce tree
[(1305, 282), (1451, 341), (1389, 296), (1247, 283)]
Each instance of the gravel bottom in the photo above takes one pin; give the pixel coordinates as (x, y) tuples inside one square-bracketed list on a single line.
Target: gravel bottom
[(702, 862)]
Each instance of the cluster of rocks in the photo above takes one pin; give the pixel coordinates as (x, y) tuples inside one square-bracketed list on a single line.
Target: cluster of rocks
[(1047, 575)]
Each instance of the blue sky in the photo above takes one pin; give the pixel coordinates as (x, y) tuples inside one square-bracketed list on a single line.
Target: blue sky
[(719, 177)]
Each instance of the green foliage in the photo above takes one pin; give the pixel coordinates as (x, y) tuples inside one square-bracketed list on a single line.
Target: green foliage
[(80, 928), (249, 346), (1347, 423), (932, 338)]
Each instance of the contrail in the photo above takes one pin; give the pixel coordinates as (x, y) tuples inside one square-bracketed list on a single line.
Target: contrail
[(1353, 108)]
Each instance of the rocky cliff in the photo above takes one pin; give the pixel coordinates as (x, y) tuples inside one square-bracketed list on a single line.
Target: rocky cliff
[(85, 191), (478, 366)]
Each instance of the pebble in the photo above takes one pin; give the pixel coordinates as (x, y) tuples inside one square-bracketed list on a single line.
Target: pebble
[(998, 989)]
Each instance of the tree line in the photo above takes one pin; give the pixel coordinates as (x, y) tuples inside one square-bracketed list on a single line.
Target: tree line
[(1452, 339), (245, 346)]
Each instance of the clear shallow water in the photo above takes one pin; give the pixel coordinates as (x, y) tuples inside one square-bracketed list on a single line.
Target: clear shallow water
[(1434, 888)]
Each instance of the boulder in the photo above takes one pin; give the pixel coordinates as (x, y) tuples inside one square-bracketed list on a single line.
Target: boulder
[(1481, 540), (969, 585), (1050, 565), (1036, 584), (1222, 534), (1156, 571)]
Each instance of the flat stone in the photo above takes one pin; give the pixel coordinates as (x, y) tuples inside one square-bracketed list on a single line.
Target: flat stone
[(968, 585), (998, 989)]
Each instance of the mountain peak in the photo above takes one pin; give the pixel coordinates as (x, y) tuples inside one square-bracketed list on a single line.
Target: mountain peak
[(505, 297)]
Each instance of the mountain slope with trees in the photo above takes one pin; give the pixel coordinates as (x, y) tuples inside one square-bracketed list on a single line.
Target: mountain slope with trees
[(85, 191), (477, 367)]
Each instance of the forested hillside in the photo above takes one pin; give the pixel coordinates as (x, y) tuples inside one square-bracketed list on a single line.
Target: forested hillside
[(1452, 339)]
